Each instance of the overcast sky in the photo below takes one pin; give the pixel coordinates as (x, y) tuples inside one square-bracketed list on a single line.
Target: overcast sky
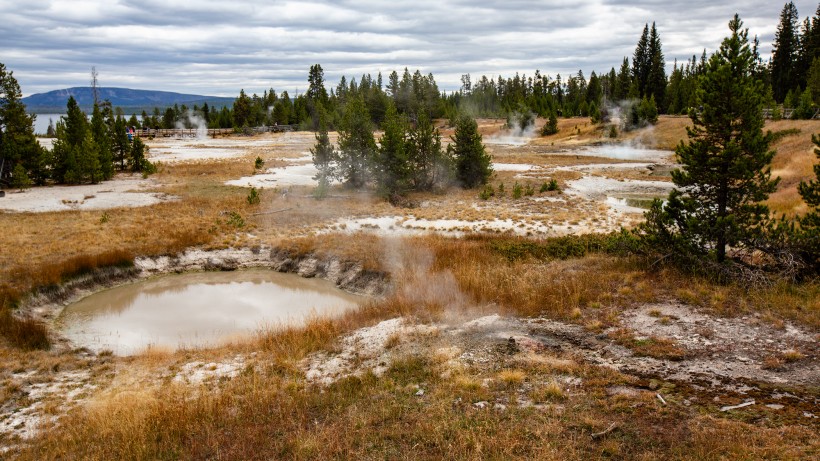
[(216, 47)]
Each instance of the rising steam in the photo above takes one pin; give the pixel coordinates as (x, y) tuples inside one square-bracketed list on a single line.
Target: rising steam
[(192, 120)]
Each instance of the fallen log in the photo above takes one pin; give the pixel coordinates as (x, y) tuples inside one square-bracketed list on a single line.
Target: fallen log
[(271, 212), (605, 431)]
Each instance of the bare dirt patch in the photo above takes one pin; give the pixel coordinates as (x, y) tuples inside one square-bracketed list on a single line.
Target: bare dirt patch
[(125, 190)]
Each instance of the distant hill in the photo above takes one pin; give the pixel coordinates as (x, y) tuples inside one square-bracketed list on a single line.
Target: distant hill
[(130, 100)]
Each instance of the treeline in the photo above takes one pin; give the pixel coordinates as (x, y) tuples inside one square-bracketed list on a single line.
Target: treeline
[(84, 151), (408, 157), (639, 86), (410, 94)]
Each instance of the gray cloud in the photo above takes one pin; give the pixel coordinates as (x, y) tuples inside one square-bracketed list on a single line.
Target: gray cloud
[(217, 47)]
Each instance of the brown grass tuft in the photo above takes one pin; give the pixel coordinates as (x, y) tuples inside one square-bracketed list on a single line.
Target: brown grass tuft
[(25, 333)]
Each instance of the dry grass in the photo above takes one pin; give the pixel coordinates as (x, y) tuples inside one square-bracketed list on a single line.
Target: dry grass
[(792, 355), (511, 378), (652, 346), (551, 391), (269, 411), (587, 291), (792, 163), (26, 333)]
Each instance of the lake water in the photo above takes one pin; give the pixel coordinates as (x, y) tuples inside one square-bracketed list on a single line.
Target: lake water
[(41, 122), (198, 309)]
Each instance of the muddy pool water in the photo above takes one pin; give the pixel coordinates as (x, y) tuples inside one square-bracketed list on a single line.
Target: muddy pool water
[(198, 309)]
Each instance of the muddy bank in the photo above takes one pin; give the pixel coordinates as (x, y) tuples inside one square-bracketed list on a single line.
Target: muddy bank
[(47, 303)]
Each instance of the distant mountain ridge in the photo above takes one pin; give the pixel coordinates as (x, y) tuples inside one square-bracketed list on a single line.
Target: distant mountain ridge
[(128, 99)]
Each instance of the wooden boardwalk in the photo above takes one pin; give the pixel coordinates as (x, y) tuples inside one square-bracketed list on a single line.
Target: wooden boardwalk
[(786, 113), (211, 132)]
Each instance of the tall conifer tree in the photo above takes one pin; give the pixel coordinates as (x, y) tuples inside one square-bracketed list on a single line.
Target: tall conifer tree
[(71, 134), (726, 175), (656, 76), (785, 53), (392, 165), (641, 62), (473, 164), (356, 144), (18, 146), (430, 166), (323, 154)]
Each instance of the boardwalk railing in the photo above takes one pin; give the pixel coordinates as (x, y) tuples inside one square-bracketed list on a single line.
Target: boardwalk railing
[(786, 113), (212, 132)]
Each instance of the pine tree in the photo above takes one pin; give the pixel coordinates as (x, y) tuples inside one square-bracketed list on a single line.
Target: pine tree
[(641, 62), (102, 141), (551, 127), (241, 110), (785, 51), (622, 82), (138, 161), (726, 174), (356, 144), (71, 134), (323, 155), (88, 161), (18, 146), (392, 165), (648, 110), (429, 164), (19, 178), (656, 76), (674, 92), (120, 144), (594, 90), (316, 94), (473, 164)]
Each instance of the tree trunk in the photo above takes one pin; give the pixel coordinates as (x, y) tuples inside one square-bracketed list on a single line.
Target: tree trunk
[(722, 198)]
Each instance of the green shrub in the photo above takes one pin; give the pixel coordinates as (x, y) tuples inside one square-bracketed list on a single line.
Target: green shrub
[(551, 127), (529, 190), (253, 197), (518, 190), (258, 163), (549, 186), (235, 220), (487, 192)]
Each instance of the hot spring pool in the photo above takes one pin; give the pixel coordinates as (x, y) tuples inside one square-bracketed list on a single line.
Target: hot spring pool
[(197, 309)]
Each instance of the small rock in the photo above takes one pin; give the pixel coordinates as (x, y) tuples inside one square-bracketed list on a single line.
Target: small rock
[(775, 406), (809, 415), (481, 404), (500, 407), (420, 392)]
